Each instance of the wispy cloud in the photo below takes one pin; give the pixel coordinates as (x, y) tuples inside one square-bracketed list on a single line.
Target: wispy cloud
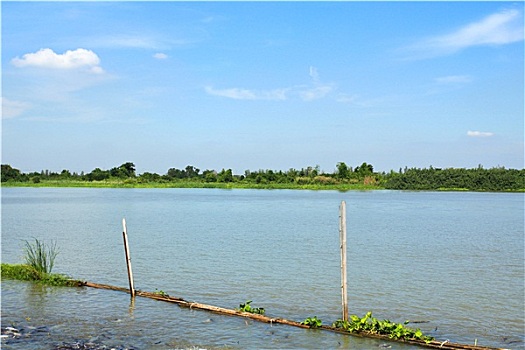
[(317, 89), (160, 56), (12, 109), (71, 59), (136, 41), (246, 94), (504, 27), (479, 134), (454, 79), (315, 93), (306, 92)]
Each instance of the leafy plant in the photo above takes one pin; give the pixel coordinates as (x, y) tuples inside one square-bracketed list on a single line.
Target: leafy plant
[(313, 322), (161, 293), (40, 255), (372, 325), (246, 307)]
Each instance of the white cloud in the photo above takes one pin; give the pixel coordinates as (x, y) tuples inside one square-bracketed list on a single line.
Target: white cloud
[(12, 109), (71, 59), (318, 90), (479, 134), (160, 56), (504, 27), (314, 74), (315, 92), (136, 41), (454, 79), (245, 94)]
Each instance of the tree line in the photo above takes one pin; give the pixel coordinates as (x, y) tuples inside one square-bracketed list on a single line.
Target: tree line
[(477, 179)]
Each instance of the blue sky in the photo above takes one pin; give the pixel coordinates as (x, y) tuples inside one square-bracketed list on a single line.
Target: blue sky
[(262, 85)]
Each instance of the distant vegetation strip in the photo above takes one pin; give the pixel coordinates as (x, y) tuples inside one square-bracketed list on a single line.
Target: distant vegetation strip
[(362, 177)]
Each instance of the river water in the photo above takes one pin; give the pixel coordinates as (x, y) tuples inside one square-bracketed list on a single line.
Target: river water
[(454, 260)]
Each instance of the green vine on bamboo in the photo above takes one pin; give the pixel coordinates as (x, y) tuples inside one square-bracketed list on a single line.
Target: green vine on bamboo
[(313, 322), (246, 307), (161, 293), (372, 325)]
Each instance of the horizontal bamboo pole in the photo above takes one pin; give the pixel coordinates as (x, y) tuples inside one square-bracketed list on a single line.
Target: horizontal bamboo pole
[(446, 345)]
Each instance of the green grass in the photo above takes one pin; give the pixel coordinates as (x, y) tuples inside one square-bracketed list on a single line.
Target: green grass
[(23, 272), (40, 256), (192, 184)]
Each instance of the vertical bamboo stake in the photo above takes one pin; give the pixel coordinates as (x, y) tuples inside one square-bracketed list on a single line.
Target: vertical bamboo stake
[(342, 236), (128, 259)]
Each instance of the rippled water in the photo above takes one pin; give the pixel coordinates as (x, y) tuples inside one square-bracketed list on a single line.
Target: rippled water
[(453, 259)]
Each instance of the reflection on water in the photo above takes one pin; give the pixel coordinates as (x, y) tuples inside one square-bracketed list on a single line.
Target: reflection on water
[(452, 259)]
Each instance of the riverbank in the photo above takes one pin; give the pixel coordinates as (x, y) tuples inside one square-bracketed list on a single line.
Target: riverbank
[(114, 183), (190, 184), (22, 272)]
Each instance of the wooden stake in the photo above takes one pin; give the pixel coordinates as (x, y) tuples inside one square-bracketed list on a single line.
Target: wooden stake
[(342, 236), (128, 259)]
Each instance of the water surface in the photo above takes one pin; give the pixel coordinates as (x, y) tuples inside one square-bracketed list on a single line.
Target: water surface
[(455, 260)]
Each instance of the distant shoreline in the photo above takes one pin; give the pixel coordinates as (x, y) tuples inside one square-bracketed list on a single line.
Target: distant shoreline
[(231, 185)]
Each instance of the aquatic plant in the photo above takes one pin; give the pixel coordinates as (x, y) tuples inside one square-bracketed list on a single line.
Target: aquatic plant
[(24, 272), (161, 293), (40, 256), (246, 307), (313, 322), (370, 324)]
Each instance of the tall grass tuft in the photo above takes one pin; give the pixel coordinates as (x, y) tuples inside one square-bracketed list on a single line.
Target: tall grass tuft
[(41, 256)]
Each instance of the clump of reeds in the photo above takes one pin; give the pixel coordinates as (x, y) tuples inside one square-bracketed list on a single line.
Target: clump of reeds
[(40, 256), (40, 259)]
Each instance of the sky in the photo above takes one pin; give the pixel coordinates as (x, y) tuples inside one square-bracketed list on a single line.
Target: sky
[(262, 85)]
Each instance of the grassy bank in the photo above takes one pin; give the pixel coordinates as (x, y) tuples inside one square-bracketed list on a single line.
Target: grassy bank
[(24, 272), (113, 183)]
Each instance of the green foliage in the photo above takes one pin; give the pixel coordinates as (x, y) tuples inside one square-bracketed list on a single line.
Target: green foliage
[(313, 322), (28, 273), (11, 174), (344, 178), (161, 293), (40, 256), (371, 325), (478, 179), (246, 307)]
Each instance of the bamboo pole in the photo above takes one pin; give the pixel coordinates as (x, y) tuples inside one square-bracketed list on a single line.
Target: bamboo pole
[(342, 237), (445, 345), (128, 259)]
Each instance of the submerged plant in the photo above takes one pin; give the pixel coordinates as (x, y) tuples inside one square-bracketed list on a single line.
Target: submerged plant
[(313, 322), (246, 307), (40, 256)]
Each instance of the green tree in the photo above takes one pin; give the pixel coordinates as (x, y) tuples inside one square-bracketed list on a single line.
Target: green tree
[(191, 171), (10, 173), (124, 171), (98, 175), (225, 176), (342, 171)]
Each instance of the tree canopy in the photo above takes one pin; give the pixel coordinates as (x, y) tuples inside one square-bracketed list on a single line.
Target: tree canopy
[(343, 176)]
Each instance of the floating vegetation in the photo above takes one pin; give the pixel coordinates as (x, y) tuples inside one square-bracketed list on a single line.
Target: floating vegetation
[(161, 293), (313, 322), (246, 307), (374, 326)]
